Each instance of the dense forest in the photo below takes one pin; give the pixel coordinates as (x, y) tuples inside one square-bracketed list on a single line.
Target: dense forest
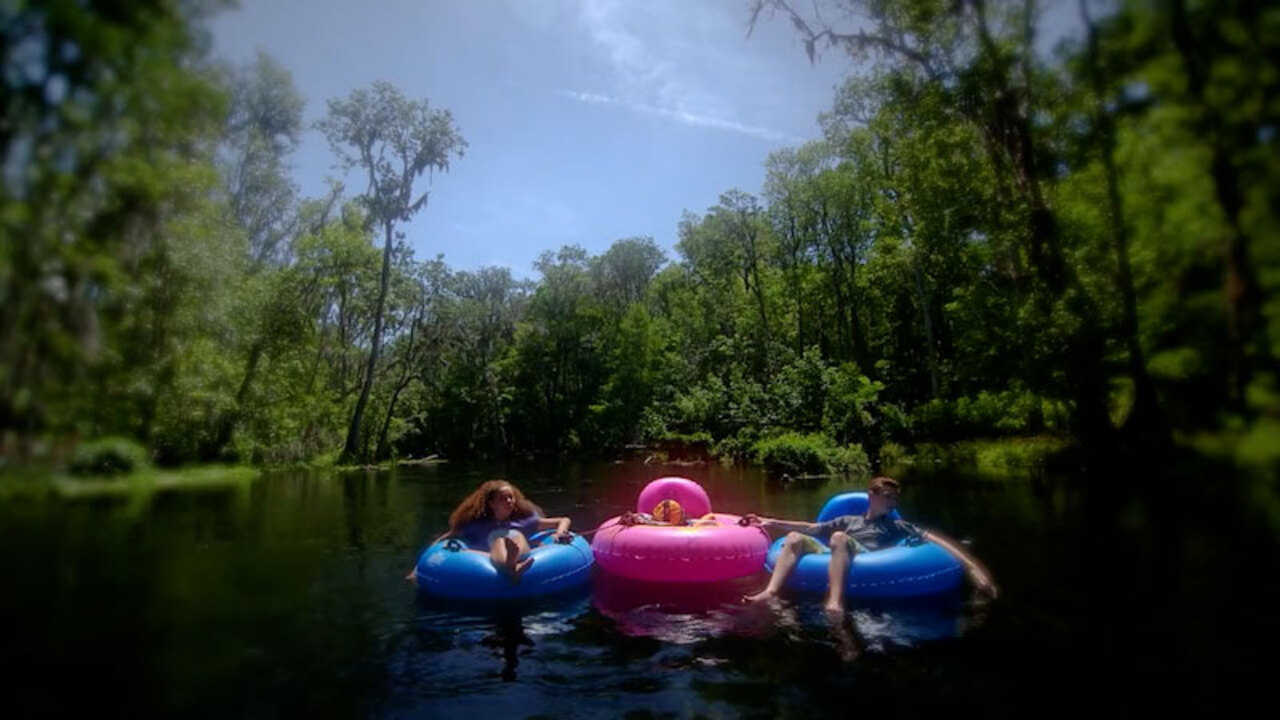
[(985, 244)]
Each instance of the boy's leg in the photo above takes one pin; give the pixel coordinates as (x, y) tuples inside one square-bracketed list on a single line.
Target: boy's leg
[(843, 548), (796, 545)]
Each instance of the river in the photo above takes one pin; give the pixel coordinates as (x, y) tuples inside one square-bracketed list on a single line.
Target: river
[(286, 596)]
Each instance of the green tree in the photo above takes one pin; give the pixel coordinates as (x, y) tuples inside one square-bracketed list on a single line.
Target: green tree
[(980, 57), (557, 364), (393, 141), (468, 412), (319, 316), (623, 276), (728, 252), (262, 130), (623, 273), (1227, 52), (1145, 418), (427, 326), (106, 139)]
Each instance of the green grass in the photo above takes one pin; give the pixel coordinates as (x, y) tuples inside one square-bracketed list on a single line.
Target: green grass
[(997, 456), (1255, 447), (153, 480), (135, 489)]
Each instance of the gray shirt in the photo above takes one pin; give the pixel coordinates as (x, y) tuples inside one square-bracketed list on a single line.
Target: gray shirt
[(882, 532)]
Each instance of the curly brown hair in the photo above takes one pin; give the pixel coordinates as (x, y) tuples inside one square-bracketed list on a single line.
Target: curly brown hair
[(476, 505)]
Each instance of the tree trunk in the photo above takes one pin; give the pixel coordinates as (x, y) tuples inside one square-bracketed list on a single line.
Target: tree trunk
[(380, 450), (757, 291), (353, 449), (927, 315), (1145, 420), (228, 420), (494, 395), (1244, 296), (1009, 126)]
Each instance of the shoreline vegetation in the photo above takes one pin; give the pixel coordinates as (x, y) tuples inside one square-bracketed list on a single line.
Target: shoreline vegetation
[(136, 484), (1010, 457)]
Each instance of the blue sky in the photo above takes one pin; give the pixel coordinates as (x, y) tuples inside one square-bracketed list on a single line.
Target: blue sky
[(588, 120)]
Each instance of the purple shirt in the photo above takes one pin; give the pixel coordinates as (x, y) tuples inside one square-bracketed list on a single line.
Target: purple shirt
[(476, 533)]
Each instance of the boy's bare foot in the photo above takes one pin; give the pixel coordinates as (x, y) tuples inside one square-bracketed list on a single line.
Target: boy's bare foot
[(765, 594), (842, 627), (848, 651), (833, 608)]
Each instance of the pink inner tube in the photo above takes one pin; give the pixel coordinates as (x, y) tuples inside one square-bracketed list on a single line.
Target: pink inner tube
[(704, 553), (692, 498)]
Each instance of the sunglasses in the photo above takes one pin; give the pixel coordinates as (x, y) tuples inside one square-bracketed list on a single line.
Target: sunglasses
[(882, 492)]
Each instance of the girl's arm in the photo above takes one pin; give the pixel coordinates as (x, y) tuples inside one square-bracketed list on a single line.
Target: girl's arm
[(413, 571), (560, 524)]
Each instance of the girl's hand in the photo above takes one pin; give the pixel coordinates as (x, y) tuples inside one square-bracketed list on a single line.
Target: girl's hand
[(564, 537)]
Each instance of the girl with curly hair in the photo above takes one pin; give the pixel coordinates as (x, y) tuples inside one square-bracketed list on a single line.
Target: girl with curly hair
[(499, 519)]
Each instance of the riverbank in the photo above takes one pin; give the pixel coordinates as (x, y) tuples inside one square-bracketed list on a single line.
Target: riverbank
[(140, 483), (1007, 457)]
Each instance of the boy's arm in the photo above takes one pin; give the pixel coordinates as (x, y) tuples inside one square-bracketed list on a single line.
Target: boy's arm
[(978, 573), (782, 525)]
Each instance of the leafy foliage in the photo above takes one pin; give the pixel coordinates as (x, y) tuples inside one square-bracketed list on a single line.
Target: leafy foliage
[(797, 454), (108, 457), (985, 244)]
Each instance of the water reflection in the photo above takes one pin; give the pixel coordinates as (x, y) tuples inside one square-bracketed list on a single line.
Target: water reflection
[(507, 628), (689, 613), (509, 637), (911, 623), (681, 613)]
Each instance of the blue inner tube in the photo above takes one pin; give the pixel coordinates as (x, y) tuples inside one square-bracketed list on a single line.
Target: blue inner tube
[(905, 570), (449, 568)]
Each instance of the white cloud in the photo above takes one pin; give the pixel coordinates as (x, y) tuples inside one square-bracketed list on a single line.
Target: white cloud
[(682, 116), (587, 97), (669, 60)]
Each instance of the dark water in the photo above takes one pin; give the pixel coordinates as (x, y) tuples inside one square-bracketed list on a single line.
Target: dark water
[(286, 598)]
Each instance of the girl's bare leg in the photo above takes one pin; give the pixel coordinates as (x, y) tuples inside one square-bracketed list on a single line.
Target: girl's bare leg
[(505, 554)]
